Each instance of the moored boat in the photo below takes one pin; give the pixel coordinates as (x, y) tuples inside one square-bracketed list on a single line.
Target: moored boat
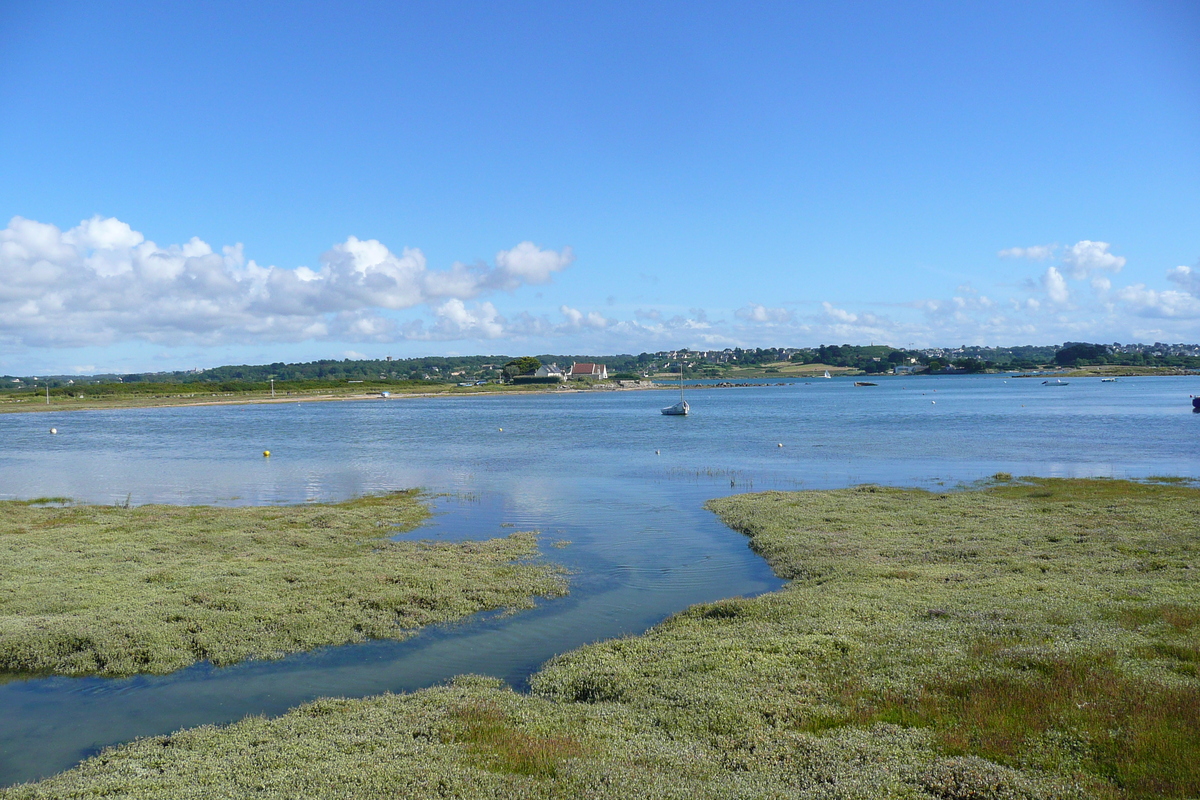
[(681, 408)]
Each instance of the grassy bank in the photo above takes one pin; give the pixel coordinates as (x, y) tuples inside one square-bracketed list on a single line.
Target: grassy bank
[(1032, 640), (110, 590), (150, 396)]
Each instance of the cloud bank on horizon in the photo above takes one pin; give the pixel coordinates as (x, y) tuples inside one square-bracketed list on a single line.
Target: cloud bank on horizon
[(102, 282)]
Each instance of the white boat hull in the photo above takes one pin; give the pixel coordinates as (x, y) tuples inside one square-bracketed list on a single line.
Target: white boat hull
[(680, 409)]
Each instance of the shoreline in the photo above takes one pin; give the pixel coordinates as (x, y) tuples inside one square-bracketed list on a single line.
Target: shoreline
[(180, 402), (226, 399)]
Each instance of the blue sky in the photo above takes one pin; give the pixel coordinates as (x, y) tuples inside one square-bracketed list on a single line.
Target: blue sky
[(192, 185)]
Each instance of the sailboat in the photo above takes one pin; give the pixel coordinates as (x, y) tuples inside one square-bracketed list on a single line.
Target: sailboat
[(827, 375), (680, 409)]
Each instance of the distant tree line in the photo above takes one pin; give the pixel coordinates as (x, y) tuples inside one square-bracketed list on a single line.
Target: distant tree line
[(871, 359), (1083, 354)]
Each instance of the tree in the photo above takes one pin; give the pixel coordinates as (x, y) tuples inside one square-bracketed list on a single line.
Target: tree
[(1073, 352), (524, 365)]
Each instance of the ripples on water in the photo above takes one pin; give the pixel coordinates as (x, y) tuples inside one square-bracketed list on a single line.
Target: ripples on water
[(604, 471)]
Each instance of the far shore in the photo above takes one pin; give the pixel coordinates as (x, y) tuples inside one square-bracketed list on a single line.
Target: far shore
[(658, 383)]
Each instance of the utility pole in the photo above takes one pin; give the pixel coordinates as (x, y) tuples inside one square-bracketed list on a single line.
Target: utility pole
[(272, 386)]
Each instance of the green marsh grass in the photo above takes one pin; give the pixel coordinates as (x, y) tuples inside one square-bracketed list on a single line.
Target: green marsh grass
[(1032, 639), (115, 590)]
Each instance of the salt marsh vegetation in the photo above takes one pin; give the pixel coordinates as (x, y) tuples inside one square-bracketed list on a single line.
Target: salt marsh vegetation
[(115, 590), (1030, 639)]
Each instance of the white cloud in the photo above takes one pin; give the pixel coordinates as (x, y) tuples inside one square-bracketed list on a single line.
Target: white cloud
[(1056, 286), (99, 233), (456, 321), (1187, 277), (103, 282), (577, 319), (526, 263), (1039, 252), (753, 312), (838, 314), (1085, 257), (1151, 303)]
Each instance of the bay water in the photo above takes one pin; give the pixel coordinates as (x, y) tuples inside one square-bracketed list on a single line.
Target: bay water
[(615, 488)]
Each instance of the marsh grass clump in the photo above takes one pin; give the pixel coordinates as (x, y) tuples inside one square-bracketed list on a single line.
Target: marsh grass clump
[(114, 590), (1050, 627), (506, 748)]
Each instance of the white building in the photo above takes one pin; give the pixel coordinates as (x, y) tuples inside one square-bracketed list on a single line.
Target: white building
[(549, 371), (581, 370)]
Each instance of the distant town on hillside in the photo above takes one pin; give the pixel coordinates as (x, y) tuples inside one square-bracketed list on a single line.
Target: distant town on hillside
[(870, 359)]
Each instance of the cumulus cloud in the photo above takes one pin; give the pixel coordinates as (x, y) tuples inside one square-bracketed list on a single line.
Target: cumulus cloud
[(1169, 304), (838, 314), (754, 312), (1080, 261), (1083, 258), (102, 282), (1056, 286), (1039, 252), (456, 321), (1186, 277), (577, 319), (526, 263)]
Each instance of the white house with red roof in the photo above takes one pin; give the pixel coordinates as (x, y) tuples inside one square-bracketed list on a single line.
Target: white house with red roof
[(581, 370)]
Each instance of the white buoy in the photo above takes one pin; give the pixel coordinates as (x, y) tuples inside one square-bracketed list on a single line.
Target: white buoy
[(655, 452), (502, 430), (54, 430), (780, 444), (933, 402)]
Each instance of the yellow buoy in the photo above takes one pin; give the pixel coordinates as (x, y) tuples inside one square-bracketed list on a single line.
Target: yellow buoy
[(502, 430), (266, 453)]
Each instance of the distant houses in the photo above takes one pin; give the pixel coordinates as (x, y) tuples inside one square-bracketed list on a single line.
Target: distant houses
[(552, 373)]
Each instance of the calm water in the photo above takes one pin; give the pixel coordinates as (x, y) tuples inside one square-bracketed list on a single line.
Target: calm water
[(604, 471)]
